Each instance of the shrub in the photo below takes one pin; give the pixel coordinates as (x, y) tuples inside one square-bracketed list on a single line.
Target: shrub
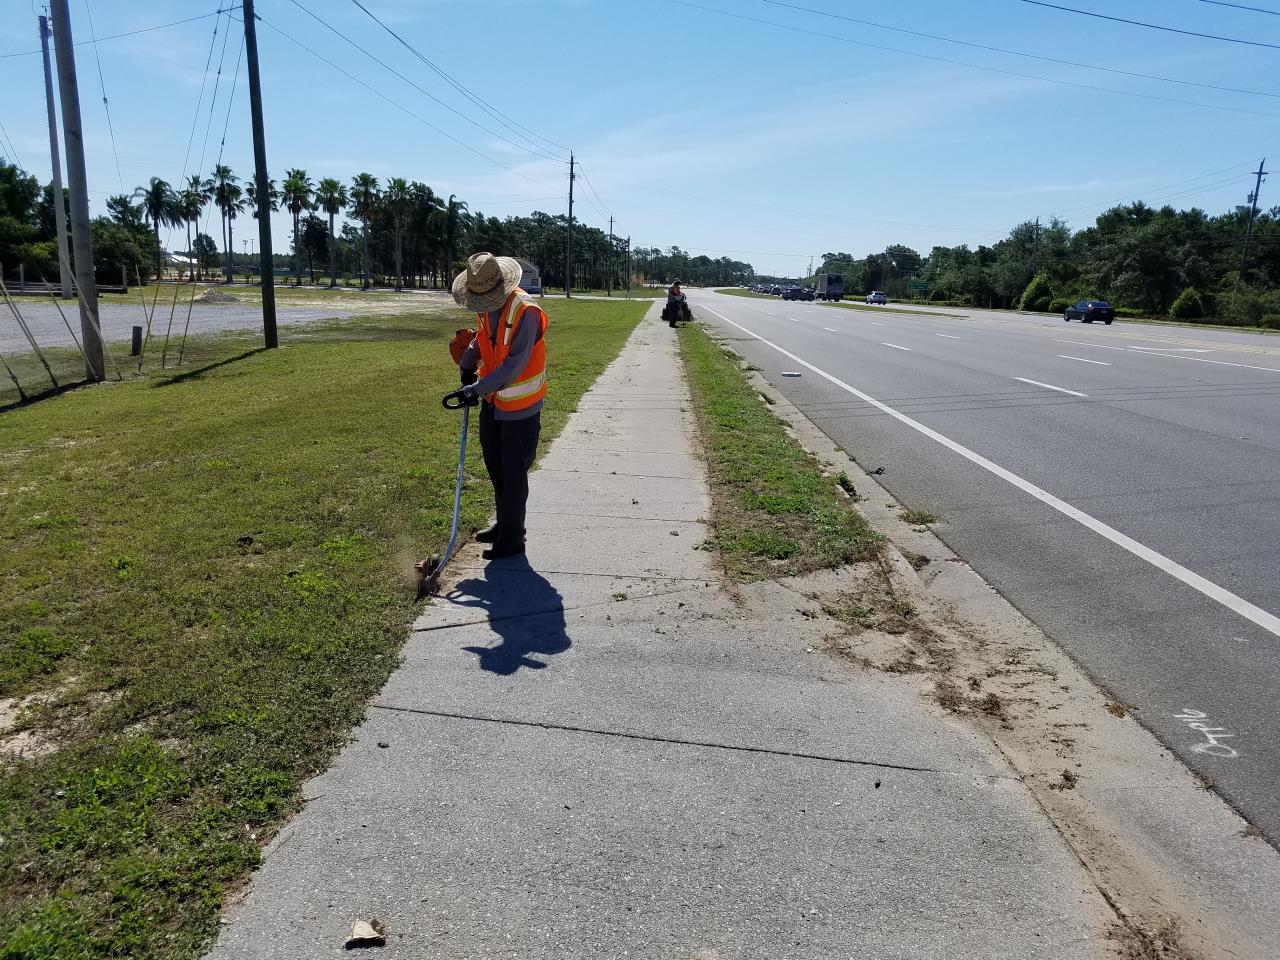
[(1037, 294), (1248, 306), (1188, 306), (1059, 304)]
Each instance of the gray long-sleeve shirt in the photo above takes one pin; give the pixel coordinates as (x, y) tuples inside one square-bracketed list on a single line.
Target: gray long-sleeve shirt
[(522, 344)]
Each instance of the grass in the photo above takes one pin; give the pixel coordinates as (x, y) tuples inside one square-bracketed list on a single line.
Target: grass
[(203, 578), (774, 512)]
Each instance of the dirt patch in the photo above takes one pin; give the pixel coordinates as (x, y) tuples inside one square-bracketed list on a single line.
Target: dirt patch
[(1139, 941), (217, 296)]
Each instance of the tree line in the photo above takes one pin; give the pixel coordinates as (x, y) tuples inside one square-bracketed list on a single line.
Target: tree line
[(397, 233), (1183, 264)]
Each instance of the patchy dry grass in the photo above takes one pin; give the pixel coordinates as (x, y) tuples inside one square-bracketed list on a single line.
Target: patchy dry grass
[(206, 574)]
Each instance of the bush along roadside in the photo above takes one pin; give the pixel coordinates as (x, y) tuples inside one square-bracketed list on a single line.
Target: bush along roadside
[(774, 511), (203, 578)]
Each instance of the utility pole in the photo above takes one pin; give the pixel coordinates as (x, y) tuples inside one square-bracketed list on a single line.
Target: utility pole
[(628, 266), (77, 182), (568, 237), (59, 200), (608, 266), (267, 262), (1253, 212)]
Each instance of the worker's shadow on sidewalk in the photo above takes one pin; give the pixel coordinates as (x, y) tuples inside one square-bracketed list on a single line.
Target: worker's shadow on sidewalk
[(524, 609)]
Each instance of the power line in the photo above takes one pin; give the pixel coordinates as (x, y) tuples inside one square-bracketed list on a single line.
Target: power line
[(204, 79), (496, 114), (118, 36), (1018, 53), (519, 146), (1241, 6), (972, 66), (102, 84), (601, 207), (13, 151), (378, 93), (1154, 26)]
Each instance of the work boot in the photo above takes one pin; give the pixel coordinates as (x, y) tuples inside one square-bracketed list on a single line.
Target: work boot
[(487, 535), (500, 551)]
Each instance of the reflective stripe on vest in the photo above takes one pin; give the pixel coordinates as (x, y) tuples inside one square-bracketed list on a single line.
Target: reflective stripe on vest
[(531, 386)]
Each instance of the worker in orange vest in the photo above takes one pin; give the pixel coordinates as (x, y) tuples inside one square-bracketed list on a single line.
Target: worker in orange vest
[(505, 364)]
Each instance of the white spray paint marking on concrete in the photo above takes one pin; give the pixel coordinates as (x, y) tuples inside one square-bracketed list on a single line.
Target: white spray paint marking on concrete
[(1050, 386), (1254, 614), (1212, 744), (1101, 363), (896, 347)]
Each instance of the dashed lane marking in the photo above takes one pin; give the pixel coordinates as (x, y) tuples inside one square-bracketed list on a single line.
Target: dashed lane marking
[(1050, 386), (1101, 363), (896, 347)]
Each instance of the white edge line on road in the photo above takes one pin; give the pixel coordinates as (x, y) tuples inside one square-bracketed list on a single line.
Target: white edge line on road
[(1086, 343), (1050, 386), (1101, 363), (1254, 614), (894, 345), (947, 335)]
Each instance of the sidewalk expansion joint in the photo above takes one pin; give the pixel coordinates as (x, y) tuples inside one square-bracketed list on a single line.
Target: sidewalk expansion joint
[(616, 473), (526, 614), (614, 516), (675, 741)]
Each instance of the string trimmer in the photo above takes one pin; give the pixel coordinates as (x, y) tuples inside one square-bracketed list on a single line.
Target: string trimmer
[(428, 570)]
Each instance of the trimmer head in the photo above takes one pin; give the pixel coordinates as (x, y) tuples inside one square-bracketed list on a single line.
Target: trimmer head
[(428, 571)]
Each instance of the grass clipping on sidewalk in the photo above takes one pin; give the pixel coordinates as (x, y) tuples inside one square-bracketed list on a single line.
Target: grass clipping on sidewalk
[(774, 512), (203, 579)]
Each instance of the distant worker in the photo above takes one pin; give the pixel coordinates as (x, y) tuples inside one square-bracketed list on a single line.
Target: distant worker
[(505, 364), (677, 304)]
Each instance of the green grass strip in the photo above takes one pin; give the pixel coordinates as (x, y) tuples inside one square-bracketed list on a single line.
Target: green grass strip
[(773, 510), (207, 576)]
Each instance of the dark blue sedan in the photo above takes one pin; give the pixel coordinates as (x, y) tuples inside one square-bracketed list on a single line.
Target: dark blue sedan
[(1087, 311)]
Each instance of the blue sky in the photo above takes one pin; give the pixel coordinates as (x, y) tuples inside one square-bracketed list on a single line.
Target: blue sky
[(693, 127)]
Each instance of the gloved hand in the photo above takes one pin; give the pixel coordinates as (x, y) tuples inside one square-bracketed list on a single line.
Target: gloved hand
[(468, 377)]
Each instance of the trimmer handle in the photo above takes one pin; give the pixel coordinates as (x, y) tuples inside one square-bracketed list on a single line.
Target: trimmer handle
[(459, 399)]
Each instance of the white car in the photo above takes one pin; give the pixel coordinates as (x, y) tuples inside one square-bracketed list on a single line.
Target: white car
[(877, 296)]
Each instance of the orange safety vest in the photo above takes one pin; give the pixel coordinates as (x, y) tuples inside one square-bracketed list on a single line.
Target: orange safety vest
[(531, 385)]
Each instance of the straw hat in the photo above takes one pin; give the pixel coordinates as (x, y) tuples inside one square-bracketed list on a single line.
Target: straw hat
[(486, 283)]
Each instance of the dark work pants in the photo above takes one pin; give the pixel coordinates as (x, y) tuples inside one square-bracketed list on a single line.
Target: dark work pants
[(509, 447)]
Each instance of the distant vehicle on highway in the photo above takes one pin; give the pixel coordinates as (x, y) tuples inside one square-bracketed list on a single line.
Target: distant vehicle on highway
[(877, 296), (829, 286), (797, 293), (1087, 311)]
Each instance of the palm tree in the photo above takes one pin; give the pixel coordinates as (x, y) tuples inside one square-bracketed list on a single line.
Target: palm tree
[(251, 195), (398, 198), (226, 194), (235, 204), (331, 195), (364, 195), (453, 210), (191, 203), (158, 206), (298, 192)]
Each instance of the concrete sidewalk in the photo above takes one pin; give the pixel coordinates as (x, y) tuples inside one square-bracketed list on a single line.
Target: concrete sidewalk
[(598, 751)]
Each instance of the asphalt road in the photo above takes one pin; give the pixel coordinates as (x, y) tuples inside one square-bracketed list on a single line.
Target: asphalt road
[(118, 319), (1119, 485)]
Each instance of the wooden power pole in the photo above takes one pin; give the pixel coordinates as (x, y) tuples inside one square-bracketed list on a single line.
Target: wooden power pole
[(568, 238), (59, 200), (267, 261), (77, 183)]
